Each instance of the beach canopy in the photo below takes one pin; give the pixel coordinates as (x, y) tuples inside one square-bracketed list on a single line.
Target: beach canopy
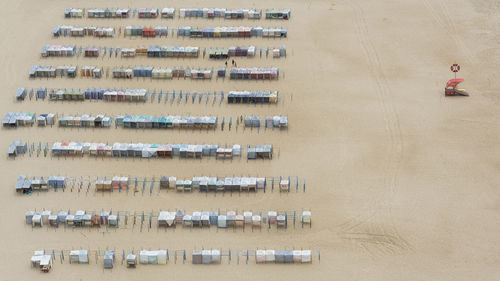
[(453, 83)]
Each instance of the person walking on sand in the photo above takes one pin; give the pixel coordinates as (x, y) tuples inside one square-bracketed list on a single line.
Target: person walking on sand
[(233, 62), (226, 64)]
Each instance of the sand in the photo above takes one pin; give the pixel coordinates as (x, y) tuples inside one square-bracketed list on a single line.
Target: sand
[(401, 180)]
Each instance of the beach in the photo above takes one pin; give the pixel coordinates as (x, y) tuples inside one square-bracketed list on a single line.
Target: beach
[(401, 180)]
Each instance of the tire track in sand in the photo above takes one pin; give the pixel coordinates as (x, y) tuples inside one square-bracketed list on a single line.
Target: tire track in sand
[(442, 17), (360, 230)]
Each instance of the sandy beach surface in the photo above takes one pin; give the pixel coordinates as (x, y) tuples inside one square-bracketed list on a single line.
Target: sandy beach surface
[(401, 181)]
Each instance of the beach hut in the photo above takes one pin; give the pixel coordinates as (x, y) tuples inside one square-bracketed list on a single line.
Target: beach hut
[(56, 182), (288, 256), (148, 13), (38, 184), (247, 217), (279, 256), (251, 153), (113, 220), (171, 218), (162, 218), (41, 120), (103, 185), (230, 218), (179, 217), (29, 217), (222, 221), (87, 220), (196, 219), (16, 148), (61, 216), (206, 256), (109, 258), (78, 219), (179, 185), (215, 256), (95, 220), (104, 217), (172, 182), (148, 32), (20, 184), (297, 256), (119, 182), (78, 256), (254, 14), (122, 13), (197, 256), (128, 52), (306, 256), (131, 260), (270, 256), (205, 219), (161, 31), (272, 216), (187, 220), (278, 14), (281, 220), (306, 217), (213, 218), (252, 121), (70, 219), (239, 220), (260, 256), (45, 216), (285, 185), (20, 94), (168, 13), (260, 183), (164, 182)]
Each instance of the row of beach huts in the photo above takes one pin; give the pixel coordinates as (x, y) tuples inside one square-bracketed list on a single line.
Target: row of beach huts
[(82, 218), (140, 150), (161, 51), (25, 185), (159, 150), (44, 261), (169, 13), (235, 73), (162, 31), (17, 119), (140, 95)]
